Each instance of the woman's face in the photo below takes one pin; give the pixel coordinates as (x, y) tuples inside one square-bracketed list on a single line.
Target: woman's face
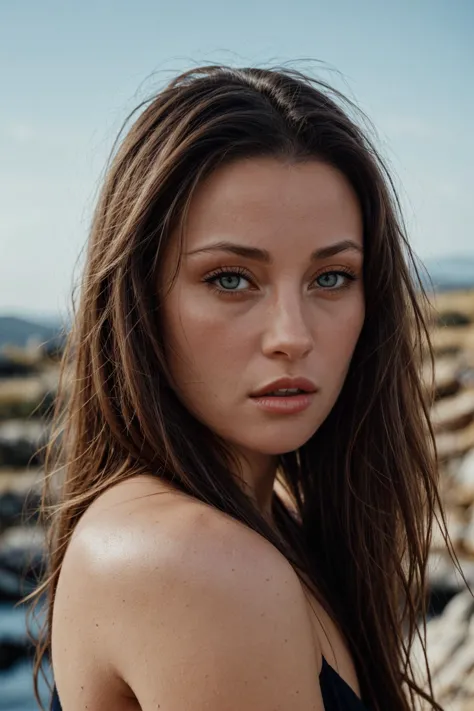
[(270, 285)]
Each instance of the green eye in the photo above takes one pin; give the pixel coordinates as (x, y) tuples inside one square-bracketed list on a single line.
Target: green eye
[(229, 280), (329, 277)]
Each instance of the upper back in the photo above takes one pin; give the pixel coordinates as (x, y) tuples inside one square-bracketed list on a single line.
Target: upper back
[(164, 600)]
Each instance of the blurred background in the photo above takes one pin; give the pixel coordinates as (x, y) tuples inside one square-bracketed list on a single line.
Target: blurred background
[(71, 73)]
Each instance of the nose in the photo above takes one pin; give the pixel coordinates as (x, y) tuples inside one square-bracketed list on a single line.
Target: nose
[(286, 331)]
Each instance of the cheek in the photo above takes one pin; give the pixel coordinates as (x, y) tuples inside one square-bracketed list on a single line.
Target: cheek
[(207, 354), (352, 328), (202, 338), (340, 339)]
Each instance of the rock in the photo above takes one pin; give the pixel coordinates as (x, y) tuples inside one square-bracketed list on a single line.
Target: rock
[(20, 538), (10, 368), (443, 583), (26, 397), (456, 521), (455, 319), (451, 341), (18, 507), (22, 560), (456, 527), (453, 444), (443, 640), (463, 479), (468, 538), (21, 481), (466, 373), (21, 389), (11, 507), (450, 491), (20, 442), (450, 651), (32, 430), (453, 413), (461, 301), (446, 635), (443, 574), (12, 651), (450, 677), (446, 380), (460, 609)]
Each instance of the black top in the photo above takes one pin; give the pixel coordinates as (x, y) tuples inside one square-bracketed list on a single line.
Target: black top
[(337, 694)]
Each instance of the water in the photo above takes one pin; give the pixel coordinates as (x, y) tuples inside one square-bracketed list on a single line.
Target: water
[(16, 683)]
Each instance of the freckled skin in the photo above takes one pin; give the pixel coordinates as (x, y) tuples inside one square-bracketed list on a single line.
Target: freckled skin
[(283, 322)]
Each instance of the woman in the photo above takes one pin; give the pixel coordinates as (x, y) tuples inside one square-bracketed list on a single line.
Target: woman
[(249, 476)]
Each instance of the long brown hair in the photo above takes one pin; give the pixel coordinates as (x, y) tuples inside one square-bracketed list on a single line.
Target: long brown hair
[(364, 487)]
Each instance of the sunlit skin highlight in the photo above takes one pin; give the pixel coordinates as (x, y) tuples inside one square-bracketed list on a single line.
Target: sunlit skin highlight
[(270, 285)]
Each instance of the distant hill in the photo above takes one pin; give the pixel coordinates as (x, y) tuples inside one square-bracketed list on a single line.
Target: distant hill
[(17, 331), (449, 273)]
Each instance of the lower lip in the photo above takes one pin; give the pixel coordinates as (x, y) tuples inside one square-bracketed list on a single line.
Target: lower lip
[(287, 404)]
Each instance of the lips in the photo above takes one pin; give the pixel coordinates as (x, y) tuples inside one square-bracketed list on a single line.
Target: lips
[(304, 384)]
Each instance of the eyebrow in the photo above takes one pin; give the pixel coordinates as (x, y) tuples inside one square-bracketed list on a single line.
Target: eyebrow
[(262, 255)]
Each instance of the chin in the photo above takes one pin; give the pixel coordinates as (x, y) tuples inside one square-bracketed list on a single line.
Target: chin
[(278, 449), (279, 443)]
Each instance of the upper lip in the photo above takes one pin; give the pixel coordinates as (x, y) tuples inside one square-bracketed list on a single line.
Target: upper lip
[(300, 383)]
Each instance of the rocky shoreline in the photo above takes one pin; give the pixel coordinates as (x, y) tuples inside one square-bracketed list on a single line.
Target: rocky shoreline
[(28, 381)]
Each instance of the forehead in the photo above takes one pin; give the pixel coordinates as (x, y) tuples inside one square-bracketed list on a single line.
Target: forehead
[(267, 200)]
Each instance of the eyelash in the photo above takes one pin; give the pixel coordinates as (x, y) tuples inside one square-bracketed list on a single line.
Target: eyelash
[(240, 271)]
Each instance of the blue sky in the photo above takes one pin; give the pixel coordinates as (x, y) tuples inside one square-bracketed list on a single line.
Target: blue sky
[(71, 72)]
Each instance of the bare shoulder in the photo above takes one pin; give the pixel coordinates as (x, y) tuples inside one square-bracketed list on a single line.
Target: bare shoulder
[(182, 607)]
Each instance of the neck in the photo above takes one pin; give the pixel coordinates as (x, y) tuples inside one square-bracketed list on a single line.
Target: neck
[(257, 475)]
